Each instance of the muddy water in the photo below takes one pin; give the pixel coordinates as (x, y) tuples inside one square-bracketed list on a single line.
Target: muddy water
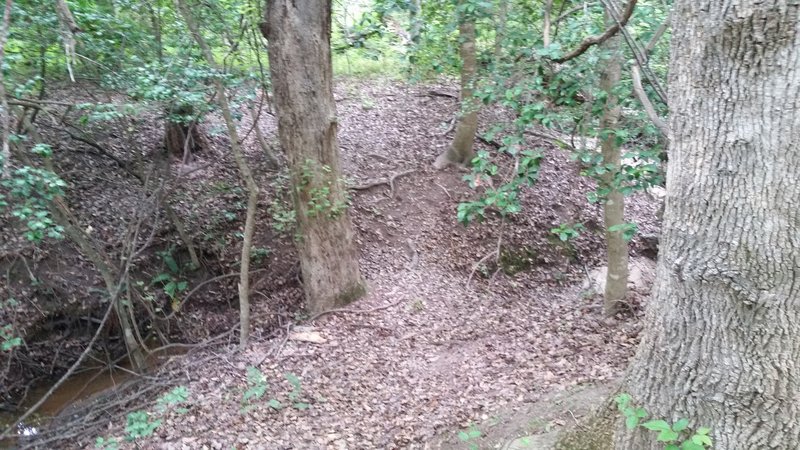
[(85, 384)]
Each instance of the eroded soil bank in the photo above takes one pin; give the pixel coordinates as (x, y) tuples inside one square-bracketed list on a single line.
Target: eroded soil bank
[(435, 346)]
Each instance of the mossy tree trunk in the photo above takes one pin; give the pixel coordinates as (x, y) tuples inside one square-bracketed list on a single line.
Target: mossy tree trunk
[(302, 80)]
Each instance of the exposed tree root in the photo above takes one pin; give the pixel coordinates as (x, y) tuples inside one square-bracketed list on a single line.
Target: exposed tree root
[(387, 181)]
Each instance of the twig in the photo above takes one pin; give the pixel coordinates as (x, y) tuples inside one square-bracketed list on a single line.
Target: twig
[(495, 252), (432, 93), (445, 190), (450, 127), (277, 351), (352, 311), (569, 12), (491, 143), (578, 424), (636, 77), (210, 280)]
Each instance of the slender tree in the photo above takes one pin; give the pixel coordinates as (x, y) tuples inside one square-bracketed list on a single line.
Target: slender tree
[(244, 172), (461, 149), (614, 202), (302, 80)]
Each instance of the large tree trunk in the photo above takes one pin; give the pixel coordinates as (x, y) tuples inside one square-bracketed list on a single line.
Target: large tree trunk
[(461, 150), (300, 67), (721, 345), (614, 206)]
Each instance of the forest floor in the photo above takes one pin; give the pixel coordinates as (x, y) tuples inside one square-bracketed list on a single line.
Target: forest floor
[(438, 345)]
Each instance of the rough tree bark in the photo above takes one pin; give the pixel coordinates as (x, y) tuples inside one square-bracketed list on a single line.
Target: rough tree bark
[(721, 344), (461, 149), (614, 206), (300, 67)]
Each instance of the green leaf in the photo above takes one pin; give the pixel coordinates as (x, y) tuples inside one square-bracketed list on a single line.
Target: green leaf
[(689, 445), (160, 278), (680, 425), (671, 447), (657, 425), (631, 422), (170, 262), (667, 436), (702, 439), (274, 404), (301, 406), (703, 431), (622, 399), (293, 380)]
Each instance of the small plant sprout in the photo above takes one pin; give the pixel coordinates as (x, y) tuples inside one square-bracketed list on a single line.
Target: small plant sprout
[(469, 436), (676, 436), (566, 232)]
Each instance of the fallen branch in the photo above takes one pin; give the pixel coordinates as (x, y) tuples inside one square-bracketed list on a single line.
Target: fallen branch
[(433, 93), (388, 181)]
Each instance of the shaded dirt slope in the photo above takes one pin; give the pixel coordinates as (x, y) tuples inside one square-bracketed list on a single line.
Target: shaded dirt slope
[(423, 355)]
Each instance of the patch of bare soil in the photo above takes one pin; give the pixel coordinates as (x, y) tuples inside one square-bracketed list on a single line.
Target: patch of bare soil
[(438, 343)]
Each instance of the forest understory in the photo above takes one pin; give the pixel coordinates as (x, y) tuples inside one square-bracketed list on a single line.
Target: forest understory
[(448, 338)]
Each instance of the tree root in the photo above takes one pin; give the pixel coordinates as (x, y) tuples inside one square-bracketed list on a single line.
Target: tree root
[(388, 181), (352, 311)]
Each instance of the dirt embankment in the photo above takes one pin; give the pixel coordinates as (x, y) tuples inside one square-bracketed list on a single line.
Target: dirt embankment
[(424, 355)]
